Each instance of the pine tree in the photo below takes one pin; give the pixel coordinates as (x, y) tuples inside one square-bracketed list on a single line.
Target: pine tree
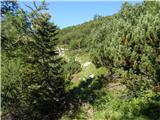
[(39, 89), (43, 78), (130, 42)]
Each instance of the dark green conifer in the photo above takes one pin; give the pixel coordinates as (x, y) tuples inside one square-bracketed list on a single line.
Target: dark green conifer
[(44, 75)]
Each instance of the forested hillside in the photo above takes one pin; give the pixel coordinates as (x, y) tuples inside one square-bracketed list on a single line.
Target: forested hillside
[(76, 37), (104, 69), (127, 44)]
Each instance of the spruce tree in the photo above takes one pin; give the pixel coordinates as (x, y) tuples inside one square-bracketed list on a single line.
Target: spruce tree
[(43, 78), (39, 87)]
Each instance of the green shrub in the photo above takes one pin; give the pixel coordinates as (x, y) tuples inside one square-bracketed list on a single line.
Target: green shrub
[(70, 68), (144, 107)]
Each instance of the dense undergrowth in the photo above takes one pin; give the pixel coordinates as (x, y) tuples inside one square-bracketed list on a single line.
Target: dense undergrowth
[(127, 45), (109, 69)]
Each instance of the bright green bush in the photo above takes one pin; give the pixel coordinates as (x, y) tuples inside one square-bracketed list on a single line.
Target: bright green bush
[(70, 68), (145, 107), (130, 43)]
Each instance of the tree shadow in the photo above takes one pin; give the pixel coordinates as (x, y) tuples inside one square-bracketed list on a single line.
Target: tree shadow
[(86, 92), (151, 111), (158, 74)]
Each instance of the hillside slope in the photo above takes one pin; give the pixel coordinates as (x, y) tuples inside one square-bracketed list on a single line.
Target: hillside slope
[(127, 46)]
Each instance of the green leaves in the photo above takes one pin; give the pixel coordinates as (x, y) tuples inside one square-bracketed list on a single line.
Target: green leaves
[(70, 68), (36, 83), (129, 41)]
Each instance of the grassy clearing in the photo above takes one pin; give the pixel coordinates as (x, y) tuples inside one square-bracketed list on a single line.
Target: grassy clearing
[(88, 70), (113, 102)]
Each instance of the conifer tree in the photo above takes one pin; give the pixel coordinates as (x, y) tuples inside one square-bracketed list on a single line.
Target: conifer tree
[(43, 78), (39, 89), (130, 42)]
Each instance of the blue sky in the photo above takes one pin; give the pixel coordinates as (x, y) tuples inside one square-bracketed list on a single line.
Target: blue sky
[(68, 13)]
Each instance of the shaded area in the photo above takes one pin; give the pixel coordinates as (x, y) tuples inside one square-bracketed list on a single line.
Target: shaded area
[(151, 111), (86, 92)]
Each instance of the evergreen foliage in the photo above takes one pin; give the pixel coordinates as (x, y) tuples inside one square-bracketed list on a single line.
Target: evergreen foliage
[(130, 42), (44, 78), (36, 91), (124, 47)]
